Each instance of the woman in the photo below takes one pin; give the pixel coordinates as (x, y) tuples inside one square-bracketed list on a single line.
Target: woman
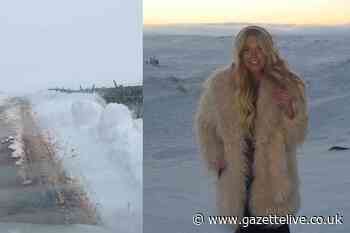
[(250, 120)]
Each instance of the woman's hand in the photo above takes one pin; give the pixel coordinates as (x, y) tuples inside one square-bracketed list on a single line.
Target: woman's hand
[(284, 101)]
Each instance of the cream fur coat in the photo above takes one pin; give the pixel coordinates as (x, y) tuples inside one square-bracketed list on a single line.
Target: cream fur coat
[(275, 186)]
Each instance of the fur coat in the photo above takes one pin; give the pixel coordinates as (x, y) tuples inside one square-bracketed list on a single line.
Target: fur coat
[(274, 190)]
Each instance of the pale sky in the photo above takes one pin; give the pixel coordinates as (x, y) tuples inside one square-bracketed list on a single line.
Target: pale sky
[(320, 12), (66, 43)]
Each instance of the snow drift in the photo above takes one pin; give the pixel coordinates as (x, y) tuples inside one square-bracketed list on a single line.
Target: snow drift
[(100, 145)]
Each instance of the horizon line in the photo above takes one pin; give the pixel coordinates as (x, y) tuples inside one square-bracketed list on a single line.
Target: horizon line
[(240, 23)]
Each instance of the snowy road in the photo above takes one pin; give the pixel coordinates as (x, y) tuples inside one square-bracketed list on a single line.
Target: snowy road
[(36, 190), (70, 163)]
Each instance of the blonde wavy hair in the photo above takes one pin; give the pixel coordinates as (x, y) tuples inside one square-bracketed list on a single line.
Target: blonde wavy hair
[(247, 85)]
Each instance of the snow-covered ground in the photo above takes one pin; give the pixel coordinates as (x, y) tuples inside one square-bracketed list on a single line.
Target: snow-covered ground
[(176, 185), (101, 146), (31, 228)]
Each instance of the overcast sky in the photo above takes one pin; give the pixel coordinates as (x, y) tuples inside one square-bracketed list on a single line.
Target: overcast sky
[(67, 43), (329, 12)]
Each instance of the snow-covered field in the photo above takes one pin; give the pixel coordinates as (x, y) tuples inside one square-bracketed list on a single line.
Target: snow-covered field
[(176, 185), (101, 146)]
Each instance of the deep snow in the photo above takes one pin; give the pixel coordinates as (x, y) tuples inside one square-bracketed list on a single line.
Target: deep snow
[(101, 146)]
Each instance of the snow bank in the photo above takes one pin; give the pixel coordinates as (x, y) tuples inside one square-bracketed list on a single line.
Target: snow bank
[(2, 99), (12, 116), (85, 113), (101, 145)]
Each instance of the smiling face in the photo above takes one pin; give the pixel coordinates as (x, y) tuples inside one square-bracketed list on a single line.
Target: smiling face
[(253, 57)]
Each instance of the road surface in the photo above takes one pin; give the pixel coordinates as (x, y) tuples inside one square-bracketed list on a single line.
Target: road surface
[(37, 191)]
